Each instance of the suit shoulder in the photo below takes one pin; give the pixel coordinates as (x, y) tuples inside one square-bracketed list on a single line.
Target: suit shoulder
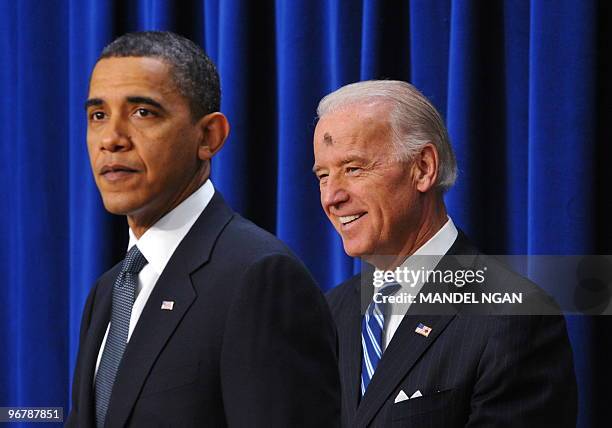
[(244, 242), (336, 295), (498, 275), (503, 279)]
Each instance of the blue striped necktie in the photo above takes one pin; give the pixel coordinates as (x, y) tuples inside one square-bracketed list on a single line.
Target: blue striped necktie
[(123, 299), (372, 327)]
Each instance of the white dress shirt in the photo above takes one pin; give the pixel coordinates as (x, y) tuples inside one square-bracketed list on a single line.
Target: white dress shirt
[(438, 245), (158, 244)]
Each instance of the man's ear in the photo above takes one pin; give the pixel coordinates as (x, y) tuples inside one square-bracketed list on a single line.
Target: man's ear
[(215, 129), (425, 168)]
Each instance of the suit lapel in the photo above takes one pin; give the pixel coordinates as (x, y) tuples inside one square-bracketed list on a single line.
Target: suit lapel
[(407, 346), (404, 350), (156, 326), (100, 317)]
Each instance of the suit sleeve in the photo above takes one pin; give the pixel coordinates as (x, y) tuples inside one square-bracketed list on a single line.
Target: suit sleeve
[(72, 420), (526, 375), (279, 362)]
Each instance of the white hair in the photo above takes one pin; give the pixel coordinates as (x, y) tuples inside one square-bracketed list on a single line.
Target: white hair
[(413, 119)]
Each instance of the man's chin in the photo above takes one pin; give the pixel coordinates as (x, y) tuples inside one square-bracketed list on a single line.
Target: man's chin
[(118, 207), (366, 254), (355, 251), (115, 211)]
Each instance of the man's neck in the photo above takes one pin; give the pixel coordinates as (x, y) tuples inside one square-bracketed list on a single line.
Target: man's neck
[(431, 220), (139, 223)]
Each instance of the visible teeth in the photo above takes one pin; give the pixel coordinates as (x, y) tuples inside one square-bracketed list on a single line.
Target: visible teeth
[(348, 218)]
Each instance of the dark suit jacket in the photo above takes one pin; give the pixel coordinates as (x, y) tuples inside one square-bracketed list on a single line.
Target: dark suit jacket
[(472, 370), (249, 343)]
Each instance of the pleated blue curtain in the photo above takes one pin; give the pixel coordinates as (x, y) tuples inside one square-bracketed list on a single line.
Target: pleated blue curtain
[(523, 87)]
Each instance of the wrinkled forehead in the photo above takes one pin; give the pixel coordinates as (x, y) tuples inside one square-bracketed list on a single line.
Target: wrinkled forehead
[(344, 136), (353, 123)]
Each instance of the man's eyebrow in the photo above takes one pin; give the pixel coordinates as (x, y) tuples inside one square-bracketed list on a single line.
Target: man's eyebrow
[(144, 100), (359, 159), (354, 158), (132, 100), (93, 102)]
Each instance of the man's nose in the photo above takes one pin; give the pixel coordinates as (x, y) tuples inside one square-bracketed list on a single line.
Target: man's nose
[(115, 137), (334, 193)]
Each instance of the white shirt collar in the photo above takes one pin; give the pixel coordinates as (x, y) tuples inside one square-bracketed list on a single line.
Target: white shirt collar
[(427, 258), (158, 243), (440, 243), (428, 255)]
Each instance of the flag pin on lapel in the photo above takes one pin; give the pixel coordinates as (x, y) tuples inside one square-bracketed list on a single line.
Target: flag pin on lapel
[(423, 330), (167, 305)]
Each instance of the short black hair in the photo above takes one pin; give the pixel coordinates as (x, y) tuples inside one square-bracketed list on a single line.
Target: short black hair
[(194, 74)]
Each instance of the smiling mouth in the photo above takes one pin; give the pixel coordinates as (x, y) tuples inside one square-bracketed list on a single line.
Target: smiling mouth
[(348, 219)]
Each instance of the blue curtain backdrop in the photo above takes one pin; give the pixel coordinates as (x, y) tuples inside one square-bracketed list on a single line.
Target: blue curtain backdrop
[(524, 87)]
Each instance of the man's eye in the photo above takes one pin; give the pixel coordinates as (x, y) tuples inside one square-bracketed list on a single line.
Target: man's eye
[(97, 115), (143, 112), (320, 177), (352, 170)]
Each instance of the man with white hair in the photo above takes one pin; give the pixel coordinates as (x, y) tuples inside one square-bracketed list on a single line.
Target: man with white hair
[(384, 161)]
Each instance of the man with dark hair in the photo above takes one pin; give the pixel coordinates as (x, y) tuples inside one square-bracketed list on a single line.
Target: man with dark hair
[(383, 160), (193, 73), (209, 320)]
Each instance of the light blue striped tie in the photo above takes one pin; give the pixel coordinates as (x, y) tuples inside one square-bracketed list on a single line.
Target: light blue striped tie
[(116, 342), (372, 327)]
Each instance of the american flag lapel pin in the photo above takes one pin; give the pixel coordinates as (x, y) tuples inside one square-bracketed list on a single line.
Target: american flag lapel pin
[(167, 305), (423, 330)]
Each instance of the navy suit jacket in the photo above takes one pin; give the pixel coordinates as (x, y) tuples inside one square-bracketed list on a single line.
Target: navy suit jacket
[(472, 370), (250, 341)]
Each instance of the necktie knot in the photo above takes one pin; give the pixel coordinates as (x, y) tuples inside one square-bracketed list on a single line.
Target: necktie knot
[(134, 261), (388, 288)]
